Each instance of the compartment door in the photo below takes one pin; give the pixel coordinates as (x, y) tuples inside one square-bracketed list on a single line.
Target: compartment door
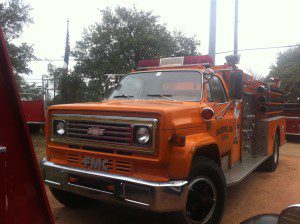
[(248, 126)]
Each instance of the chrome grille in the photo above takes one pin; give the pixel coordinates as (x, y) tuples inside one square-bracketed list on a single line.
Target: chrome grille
[(108, 134), (112, 132)]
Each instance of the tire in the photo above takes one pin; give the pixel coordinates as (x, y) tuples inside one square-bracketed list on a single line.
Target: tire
[(271, 164), (71, 200), (206, 181)]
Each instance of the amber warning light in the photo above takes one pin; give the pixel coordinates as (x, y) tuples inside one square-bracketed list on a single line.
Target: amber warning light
[(207, 113)]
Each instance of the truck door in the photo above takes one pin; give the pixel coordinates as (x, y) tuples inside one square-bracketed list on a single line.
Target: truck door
[(2, 184), (226, 122)]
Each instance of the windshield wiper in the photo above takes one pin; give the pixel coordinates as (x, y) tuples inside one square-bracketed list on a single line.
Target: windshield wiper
[(123, 96), (160, 95)]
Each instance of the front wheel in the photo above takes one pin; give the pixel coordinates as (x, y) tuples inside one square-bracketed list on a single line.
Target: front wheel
[(207, 194)]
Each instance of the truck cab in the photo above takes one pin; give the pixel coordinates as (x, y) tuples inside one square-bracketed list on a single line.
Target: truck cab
[(171, 137)]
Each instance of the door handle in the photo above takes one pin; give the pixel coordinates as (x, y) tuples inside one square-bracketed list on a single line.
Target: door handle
[(2, 150)]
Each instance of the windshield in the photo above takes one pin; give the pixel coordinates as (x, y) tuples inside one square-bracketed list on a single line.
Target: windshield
[(166, 85)]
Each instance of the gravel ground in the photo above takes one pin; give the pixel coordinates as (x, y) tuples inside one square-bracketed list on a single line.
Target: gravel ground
[(259, 193)]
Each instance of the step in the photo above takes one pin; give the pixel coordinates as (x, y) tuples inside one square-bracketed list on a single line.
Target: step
[(236, 174)]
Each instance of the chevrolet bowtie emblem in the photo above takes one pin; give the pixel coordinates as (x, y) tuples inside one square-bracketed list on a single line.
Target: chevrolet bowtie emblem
[(94, 131)]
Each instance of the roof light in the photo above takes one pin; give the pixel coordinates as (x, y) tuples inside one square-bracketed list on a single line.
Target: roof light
[(176, 61), (148, 63), (198, 59)]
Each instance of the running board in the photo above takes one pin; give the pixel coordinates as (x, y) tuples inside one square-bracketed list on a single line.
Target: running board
[(236, 174)]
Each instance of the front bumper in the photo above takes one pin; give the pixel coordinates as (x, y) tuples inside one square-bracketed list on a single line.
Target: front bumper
[(155, 196)]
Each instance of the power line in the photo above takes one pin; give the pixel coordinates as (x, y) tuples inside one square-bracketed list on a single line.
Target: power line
[(259, 48), (222, 52), (54, 59)]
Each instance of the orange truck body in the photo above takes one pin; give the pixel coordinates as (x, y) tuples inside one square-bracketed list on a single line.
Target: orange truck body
[(179, 131)]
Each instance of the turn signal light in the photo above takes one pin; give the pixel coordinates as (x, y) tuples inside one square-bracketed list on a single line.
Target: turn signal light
[(178, 141), (207, 113)]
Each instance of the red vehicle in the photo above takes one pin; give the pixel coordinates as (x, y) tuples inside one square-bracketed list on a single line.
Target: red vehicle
[(23, 197), (292, 113), (34, 111)]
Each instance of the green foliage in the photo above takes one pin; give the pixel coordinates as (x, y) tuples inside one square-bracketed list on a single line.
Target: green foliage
[(14, 16), (72, 89), (20, 56), (288, 70), (184, 45), (29, 91), (122, 39)]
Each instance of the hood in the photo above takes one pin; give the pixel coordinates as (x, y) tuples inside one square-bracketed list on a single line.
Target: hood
[(171, 114)]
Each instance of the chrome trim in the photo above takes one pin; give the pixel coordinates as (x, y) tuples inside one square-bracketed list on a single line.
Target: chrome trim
[(296, 134), (35, 122), (158, 196), (107, 119), (293, 118), (240, 171), (2, 150), (52, 182)]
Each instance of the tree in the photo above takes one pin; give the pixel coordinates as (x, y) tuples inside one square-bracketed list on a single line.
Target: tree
[(71, 88), (184, 45), (28, 91), (122, 39), (287, 69), (14, 16)]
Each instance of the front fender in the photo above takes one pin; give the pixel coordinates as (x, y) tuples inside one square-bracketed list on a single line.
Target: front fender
[(181, 157)]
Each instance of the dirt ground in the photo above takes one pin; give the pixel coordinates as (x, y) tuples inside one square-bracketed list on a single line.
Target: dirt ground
[(259, 193)]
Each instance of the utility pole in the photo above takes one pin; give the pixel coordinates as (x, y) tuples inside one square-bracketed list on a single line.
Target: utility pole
[(44, 92), (43, 87), (236, 21), (212, 29), (47, 89)]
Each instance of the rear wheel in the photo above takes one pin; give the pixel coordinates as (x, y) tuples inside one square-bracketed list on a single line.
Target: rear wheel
[(271, 164), (207, 194), (71, 200)]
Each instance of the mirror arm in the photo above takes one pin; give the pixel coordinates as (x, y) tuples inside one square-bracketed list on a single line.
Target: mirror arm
[(224, 111)]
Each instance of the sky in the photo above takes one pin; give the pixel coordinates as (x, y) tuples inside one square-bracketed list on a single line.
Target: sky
[(262, 23)]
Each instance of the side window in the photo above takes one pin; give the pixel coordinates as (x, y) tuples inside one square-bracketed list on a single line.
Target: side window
[(217, 91), (208, 93)]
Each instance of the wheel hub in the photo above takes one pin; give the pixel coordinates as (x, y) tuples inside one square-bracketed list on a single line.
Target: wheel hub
[(202, 200)]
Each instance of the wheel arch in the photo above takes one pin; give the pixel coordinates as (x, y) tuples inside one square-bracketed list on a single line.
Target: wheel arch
[(277, 132), (210, 151)]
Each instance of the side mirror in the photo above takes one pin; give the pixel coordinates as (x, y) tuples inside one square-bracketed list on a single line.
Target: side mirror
[(290, 215), (236, 86)]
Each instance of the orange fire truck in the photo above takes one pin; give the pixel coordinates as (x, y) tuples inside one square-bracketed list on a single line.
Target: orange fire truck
[(171, 137)]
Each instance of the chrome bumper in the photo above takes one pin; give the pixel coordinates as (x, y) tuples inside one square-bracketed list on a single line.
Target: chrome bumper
[(155, 196)]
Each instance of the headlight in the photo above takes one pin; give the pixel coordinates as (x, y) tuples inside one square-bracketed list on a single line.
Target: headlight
[(142, 135), (60, 128)]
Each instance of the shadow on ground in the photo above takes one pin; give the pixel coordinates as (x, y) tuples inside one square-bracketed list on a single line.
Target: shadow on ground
[(109, 213)]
